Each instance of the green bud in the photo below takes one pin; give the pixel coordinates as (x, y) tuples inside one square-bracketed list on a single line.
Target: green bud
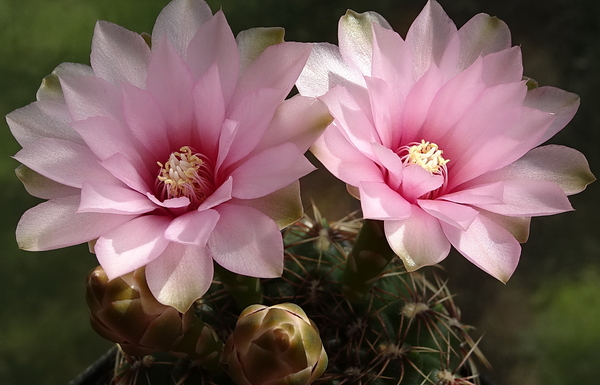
[(124, 311), (275, 345)]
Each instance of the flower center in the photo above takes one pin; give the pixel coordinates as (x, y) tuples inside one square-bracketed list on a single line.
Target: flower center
[(425, 154), (186, 174)]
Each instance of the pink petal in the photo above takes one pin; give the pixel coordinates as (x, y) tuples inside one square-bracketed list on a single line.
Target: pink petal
[(356, 38), (284, 206), (494, 111), (417, 104), (382, 115), (252, 114), (106, 137), (528, 130), (450, 58), (192, 228), (221, 195), (171, 203), (55, 224), (339, 97), (503, 67), (417, 182), (353, 190), (91, 96), (490, 193), (214, 44), (246, 241), (484, 131), (481, 36), (429, 35), (42, 119), (357, 122), (530, 198), (123, 169), (451, 101), (391, 162), (62, 161), (252, 42), (558, 164), (145, 121), (112, 199), (344, 160), (179, 21), (73, 69), (269, 171), (209, 109), (417, 240), (324, 69), (561, 104), (379, 201), (51, 91), (390, 58), (484, 158), (500, 151), (299, 120), (392, 62), (132, 245), (41, 187), (487, 245), (278, 67), (226, 139), (457, 215), (180, 275), (119, 55), (170, 82), (517, 226)]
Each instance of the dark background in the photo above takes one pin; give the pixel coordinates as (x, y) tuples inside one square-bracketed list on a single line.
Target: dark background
[(543, 327)]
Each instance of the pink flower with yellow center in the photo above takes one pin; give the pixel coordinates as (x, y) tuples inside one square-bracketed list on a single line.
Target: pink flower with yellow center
[(172, 152), (437, 135)]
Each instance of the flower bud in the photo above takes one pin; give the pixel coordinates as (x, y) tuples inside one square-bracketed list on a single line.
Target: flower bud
[(124, 311), (274, 346)]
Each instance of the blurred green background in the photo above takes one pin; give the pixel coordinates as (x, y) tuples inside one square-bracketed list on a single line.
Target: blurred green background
[(543, 327)]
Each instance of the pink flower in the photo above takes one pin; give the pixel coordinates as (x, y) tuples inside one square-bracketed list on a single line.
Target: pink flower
[(437, 134), (171, 156)]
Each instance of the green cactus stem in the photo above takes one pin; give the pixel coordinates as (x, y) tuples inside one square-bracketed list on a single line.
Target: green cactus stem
[(200, 344), (244, 290), (369, 257), (378, 323)]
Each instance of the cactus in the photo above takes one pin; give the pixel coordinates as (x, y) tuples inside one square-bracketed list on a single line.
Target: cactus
[(394, 328)]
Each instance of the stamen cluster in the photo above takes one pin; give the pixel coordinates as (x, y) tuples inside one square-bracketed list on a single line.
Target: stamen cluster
[(186, 174), (425, 154)]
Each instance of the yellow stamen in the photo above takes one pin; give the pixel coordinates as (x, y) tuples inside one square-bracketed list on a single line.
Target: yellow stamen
[(185, 174), (425, 154)]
